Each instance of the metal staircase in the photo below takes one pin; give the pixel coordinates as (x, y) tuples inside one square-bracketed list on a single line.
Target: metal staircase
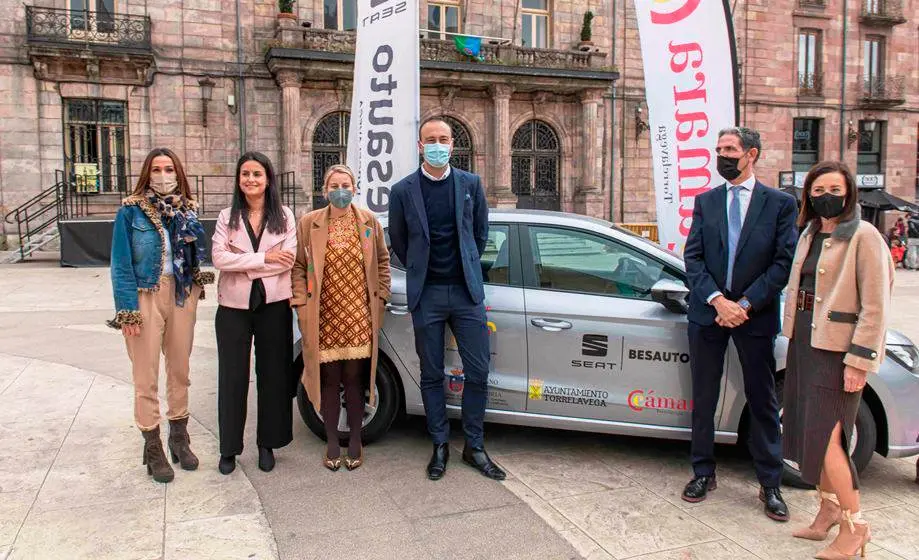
[(36, 222)]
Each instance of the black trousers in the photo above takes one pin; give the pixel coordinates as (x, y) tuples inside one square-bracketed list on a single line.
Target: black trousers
[(707, 347), (271, 326)]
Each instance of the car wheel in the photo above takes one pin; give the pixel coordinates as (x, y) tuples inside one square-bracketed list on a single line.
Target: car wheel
[(861, 446), (377, 420)]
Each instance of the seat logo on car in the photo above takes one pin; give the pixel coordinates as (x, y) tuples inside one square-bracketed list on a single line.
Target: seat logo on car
[(596, 345)]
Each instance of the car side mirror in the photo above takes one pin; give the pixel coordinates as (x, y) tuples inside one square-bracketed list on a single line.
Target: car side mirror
[(671, 294)]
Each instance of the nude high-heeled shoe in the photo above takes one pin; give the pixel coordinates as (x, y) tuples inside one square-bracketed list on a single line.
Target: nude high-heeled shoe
[(829, 516), (854, 535)]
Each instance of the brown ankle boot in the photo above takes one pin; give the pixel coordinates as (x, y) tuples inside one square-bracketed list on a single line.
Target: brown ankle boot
[(155, 458), (179, 443)]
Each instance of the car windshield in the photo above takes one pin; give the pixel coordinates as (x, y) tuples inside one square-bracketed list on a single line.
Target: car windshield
[(645, 240)]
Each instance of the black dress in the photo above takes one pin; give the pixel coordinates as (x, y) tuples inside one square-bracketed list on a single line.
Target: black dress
[(815, 397)]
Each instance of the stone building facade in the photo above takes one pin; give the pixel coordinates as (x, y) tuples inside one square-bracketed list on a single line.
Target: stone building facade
[(546, 120), (87, 83), (820, 79)]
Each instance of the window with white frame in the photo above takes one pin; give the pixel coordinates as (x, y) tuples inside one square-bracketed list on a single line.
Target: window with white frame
[(534, 24), (339, 14), (443, 17)]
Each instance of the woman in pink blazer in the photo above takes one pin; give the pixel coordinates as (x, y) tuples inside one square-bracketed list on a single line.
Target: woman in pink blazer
[(254, 246)]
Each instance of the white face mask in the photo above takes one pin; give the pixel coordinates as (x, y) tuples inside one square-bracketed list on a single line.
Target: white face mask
[(163, 184)]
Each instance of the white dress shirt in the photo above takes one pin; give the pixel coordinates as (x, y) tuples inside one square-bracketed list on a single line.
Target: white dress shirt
[(445, 175), (745, 193)]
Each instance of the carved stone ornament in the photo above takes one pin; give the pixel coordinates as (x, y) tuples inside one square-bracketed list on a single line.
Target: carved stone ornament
[(447, 95)]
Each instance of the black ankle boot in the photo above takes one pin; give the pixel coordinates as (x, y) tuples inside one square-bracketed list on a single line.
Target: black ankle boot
[(265, 459), (227, 464)]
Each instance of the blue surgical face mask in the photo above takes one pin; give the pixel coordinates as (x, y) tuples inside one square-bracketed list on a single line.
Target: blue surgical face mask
[(340, 198), (437, 155)]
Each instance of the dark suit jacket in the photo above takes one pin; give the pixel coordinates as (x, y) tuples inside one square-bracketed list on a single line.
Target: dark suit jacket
[(410, 237), (762, 265)]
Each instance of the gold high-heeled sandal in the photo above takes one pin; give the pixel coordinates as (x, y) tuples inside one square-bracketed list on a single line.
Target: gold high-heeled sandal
[(352, 464), (829, 503), (332, 464)]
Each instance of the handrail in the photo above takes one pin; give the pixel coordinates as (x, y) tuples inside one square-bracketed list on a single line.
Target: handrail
[(29, 202)]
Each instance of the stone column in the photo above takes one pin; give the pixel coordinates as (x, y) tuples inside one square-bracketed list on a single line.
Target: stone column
[(290, 80), (502, 196), (589, 198)]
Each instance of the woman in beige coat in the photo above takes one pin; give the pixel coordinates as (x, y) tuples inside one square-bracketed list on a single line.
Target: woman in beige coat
[(341, 283), (836, 310)]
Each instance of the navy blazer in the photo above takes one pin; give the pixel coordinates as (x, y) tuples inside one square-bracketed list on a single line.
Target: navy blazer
[(410, 238), (762, 265)]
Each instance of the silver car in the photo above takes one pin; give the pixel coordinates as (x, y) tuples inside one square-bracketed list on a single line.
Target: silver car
[(588, 332)]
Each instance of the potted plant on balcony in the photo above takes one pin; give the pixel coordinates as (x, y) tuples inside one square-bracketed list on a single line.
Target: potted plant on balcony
[(286, 10), (586, 44)]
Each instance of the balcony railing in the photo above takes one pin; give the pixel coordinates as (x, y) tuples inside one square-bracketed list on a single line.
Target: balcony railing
[(81, 27), (887, 90), (810, 85), (444, 51), (882, 12)]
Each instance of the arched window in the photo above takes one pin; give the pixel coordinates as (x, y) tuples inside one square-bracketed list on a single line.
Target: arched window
[(461, 158), (535, 156), (330, 147)]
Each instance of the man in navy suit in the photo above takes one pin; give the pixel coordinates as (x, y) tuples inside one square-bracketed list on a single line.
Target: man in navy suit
[(438, 227), (738, 257)]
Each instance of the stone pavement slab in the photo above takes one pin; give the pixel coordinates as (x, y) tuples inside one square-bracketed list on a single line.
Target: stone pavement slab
[(70, 470)]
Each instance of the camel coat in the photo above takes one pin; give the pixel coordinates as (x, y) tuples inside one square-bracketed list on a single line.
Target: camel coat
[(852, 295), (312, 239)]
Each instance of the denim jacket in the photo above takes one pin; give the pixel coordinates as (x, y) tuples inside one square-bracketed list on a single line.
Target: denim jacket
[(138, 242)]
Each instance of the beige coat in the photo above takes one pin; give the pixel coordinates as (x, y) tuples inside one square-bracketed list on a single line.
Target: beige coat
[(312, 239), (852, 293)]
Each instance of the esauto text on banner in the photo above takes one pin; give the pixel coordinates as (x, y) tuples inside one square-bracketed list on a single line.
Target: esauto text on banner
[(690, 82), (385, 99)]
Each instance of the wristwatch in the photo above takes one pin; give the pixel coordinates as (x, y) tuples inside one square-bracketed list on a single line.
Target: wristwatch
[(745, 304)]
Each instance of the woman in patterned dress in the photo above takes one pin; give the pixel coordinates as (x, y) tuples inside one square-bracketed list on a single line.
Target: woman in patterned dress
[(341, 283)]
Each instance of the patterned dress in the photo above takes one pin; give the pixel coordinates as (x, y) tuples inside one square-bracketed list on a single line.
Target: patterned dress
[(345, 331)]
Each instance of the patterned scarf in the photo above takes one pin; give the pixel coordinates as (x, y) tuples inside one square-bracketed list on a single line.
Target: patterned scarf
[(186, 237)]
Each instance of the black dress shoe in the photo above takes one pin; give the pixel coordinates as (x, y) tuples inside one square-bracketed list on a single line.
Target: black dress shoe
[(227, 464), (438, 463), (479, 460), (698, 488), (774, 503), (265, 459)]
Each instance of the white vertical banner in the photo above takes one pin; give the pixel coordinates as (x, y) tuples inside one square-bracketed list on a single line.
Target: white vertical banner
[(385, 99), (689, 56)]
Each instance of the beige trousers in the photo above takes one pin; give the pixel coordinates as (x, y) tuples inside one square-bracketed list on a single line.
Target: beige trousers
[(171, 330)]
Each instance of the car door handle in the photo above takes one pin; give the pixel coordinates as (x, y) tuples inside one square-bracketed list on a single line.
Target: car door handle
[(397, 309), (550, 325)]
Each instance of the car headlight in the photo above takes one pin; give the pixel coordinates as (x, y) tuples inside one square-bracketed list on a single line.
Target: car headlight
[(907, 355)]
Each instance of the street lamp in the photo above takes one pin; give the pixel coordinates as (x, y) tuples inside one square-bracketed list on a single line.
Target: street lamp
[(207, 90), (640, 124)]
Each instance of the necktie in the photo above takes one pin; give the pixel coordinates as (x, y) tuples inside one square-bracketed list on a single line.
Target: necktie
[(735, 223)]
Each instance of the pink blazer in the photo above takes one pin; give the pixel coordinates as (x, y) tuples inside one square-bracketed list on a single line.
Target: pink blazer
[(239, 263)]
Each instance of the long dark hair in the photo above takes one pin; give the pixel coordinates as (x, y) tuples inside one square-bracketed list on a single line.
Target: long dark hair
[(807, 214), (275, 221), (143, 182)]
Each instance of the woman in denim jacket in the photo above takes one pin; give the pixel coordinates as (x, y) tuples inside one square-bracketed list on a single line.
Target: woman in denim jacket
[(157, 247)]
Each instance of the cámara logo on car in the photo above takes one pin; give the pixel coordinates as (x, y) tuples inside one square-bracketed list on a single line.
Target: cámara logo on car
[(645, 399)]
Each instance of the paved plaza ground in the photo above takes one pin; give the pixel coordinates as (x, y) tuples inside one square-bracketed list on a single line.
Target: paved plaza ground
[(72, 486)]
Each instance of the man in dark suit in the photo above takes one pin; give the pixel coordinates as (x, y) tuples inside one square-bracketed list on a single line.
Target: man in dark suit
[(438, 227), (738, 257)]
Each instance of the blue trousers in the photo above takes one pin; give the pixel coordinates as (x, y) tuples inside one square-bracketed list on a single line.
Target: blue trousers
[(707, 347), (442, 305)]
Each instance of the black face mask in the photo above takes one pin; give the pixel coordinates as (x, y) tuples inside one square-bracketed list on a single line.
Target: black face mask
[(828, 205), (727, 167)]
